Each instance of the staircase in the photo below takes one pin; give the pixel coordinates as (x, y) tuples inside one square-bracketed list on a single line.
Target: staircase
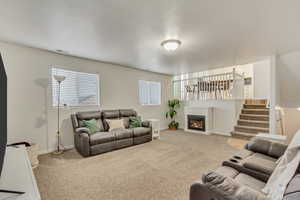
[(254, 119)]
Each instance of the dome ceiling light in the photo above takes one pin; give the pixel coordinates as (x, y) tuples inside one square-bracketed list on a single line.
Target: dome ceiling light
[(171, 45)]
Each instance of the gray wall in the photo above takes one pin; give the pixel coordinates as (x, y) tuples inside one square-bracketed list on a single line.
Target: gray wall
[(30, 115)]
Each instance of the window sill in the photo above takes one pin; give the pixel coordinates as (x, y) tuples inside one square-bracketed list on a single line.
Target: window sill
[(73, 107), (150, 104)]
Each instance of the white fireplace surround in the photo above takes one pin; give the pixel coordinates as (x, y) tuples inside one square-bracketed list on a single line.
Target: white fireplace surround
[(204, 111)]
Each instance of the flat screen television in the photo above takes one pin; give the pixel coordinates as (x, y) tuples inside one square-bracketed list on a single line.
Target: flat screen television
[(3, 113)]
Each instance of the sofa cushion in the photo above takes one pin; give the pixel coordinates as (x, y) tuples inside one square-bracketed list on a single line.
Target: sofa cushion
[(99, 124), (266, 147), (101, 137), (146, 124), (223, 171), (110, 114), (277, 150), (135, 122), (93, 125), (249, 181), (243, 154), (259, 146), (87, 115), (261, 163), (127, 113), (115, 124), (227, 171), (123, 133), (126, 121), (141, 131), (216, 186)]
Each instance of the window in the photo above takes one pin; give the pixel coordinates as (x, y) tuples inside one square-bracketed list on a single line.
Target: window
[(149, 92), (78, 89)]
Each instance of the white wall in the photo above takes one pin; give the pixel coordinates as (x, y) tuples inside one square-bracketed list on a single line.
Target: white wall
[(258, 71), (288, 73), (261, 79), (291, 121), (273, 101), (30, 116), (225, 113), (289, 79)]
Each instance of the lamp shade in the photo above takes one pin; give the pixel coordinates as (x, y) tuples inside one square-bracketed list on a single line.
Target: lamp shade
[(59, 78)]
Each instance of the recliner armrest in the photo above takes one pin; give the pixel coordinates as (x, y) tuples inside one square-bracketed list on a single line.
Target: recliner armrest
[(228, 188), (146, 124), (82, 130)]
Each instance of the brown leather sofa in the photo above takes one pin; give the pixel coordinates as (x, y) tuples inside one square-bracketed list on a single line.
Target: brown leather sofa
[(92, 144), (243, 176)]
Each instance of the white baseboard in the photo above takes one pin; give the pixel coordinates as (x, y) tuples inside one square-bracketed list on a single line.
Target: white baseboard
[(221, 133), (194, 131), (41, 152), (164, 128)]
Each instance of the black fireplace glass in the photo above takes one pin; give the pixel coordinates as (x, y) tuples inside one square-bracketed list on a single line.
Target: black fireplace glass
[(196, 122)]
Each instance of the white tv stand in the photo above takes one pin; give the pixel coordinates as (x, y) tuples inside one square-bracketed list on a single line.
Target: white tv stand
[(17, 175)]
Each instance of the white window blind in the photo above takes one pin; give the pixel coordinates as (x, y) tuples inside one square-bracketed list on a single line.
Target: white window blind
[(149, 92), (78, 89)]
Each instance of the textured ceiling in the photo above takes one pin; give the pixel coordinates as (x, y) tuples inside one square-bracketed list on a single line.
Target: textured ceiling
[(214, 33)]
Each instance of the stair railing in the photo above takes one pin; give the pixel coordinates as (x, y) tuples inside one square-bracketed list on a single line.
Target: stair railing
[(217, 87)]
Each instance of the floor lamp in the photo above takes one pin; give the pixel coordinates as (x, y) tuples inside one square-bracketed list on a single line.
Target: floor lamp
[(59, 80)]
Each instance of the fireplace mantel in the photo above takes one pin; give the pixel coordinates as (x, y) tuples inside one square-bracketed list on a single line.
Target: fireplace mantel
[(207, 112)]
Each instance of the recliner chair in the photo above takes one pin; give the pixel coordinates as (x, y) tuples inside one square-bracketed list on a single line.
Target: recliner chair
[(243, 176)]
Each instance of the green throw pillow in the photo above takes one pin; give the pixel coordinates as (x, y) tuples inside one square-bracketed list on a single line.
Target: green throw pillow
[(135, 122), (92, 125)]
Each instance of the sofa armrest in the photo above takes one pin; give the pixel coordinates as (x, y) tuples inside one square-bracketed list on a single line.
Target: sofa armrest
[(82, 130), (270, 148), (146, 124), (199, 191), (227, 188), (82, 143)]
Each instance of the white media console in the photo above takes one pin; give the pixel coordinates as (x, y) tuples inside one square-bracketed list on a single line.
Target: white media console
[(17, 175)]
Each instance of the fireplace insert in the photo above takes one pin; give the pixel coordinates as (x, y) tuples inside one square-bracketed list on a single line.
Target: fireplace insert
[(196, 122)]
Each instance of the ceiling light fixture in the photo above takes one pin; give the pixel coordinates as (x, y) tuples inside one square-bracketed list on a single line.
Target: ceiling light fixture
[(171, 45)]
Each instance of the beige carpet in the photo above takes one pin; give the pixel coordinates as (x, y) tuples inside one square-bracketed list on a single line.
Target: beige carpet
[(159, 170), (237, 143)]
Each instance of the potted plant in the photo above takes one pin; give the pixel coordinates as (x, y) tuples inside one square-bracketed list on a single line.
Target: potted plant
[(173, 105)]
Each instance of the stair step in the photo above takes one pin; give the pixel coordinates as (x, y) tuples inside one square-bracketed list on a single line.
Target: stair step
[(242, 135), (255, 111), (250, 129), (254, 117), (255, 106), (256, 101), (253, 123)]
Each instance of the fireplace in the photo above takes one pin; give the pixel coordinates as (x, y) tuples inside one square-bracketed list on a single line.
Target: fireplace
[(198, 119), (196, 122)]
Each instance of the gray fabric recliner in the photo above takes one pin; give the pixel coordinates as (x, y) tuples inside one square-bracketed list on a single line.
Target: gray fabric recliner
[(92, 144), (244, 175)]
